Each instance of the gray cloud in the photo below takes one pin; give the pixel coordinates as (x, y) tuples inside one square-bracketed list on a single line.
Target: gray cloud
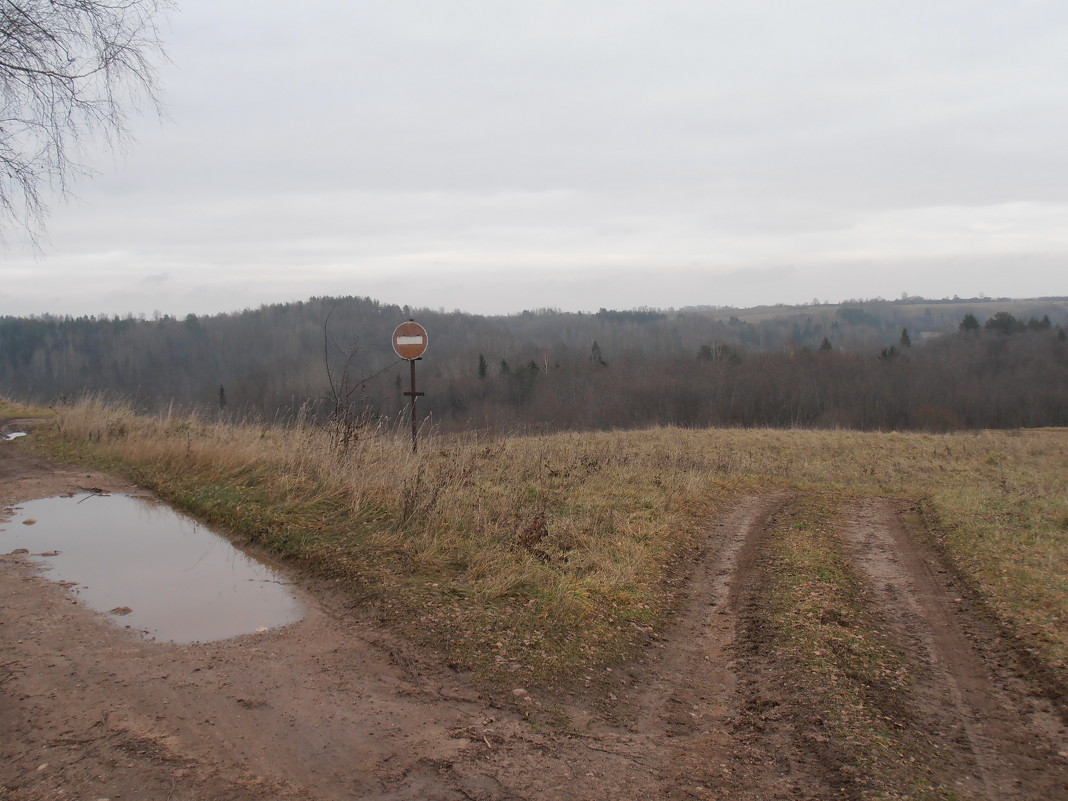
[(503, 152)]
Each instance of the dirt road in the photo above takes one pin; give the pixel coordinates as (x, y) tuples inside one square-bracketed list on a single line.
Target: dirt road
[(335, 707)]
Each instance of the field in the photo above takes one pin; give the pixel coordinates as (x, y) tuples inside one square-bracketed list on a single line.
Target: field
[(885, 586)]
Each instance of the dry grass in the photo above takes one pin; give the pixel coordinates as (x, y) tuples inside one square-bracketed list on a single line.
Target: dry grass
[(537, 554), (9, 409)]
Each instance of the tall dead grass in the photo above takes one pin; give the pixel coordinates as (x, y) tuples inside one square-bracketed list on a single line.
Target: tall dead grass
[(540, 554)]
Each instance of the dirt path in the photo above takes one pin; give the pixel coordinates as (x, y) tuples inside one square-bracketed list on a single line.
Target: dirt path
[(335, 707), (688, 699), (1006, 741)]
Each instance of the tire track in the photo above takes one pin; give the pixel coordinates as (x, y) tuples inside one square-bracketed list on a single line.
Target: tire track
[(670, 732), (688, 704), (998, 754), (695, 656)]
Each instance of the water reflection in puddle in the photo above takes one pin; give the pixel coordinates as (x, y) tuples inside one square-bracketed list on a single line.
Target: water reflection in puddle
[(155, 570), (14, 435)]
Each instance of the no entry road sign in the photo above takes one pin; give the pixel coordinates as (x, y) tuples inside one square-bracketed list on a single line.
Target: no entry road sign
[(409, 340)]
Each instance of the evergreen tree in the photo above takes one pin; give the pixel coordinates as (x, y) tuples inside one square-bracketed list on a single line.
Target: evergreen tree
[(906, 340), (969, 323), (595, 355), (482, 367), (1004, 323)]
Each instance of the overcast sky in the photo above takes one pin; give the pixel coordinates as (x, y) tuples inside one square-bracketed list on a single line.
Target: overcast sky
[(496, 156)]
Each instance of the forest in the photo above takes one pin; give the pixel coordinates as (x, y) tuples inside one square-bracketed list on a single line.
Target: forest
[(908, 364)]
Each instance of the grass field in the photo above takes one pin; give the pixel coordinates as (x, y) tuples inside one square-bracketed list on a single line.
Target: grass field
[(543, 557)]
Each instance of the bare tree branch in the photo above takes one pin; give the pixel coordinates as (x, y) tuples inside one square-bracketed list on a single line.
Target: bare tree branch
[(70, 72)]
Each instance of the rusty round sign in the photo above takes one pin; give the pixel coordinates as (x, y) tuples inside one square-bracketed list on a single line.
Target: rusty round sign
[(409, 340)]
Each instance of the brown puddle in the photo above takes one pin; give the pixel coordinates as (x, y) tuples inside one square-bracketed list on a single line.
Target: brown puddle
[(157, 571)]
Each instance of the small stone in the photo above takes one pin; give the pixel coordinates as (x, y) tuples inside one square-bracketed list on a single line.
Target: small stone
[(518, 691), (120, 610), (42, 767), (29, 521), (20, 550)]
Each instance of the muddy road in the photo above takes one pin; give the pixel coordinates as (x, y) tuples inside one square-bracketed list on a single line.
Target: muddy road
[(336, 707)]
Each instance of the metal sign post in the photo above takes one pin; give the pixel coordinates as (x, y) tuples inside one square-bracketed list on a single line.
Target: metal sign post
[(410, 341)]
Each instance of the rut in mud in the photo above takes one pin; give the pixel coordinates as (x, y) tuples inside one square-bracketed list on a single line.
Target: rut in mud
[(336, 707), (969, 717), (1007, 738)]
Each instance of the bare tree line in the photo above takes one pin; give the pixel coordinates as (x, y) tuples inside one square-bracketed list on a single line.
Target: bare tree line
[(871, 365)]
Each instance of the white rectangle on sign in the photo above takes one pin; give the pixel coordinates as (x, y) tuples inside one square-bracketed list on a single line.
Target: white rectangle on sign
[(409, 340)]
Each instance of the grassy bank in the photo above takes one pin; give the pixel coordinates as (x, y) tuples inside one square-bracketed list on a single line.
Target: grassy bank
[(531, 558), (542, 556)]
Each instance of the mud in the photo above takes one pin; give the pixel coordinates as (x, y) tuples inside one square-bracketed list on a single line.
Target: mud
[(337, 707)]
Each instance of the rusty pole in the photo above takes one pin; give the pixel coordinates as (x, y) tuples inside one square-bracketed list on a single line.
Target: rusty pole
[(413, 394)]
